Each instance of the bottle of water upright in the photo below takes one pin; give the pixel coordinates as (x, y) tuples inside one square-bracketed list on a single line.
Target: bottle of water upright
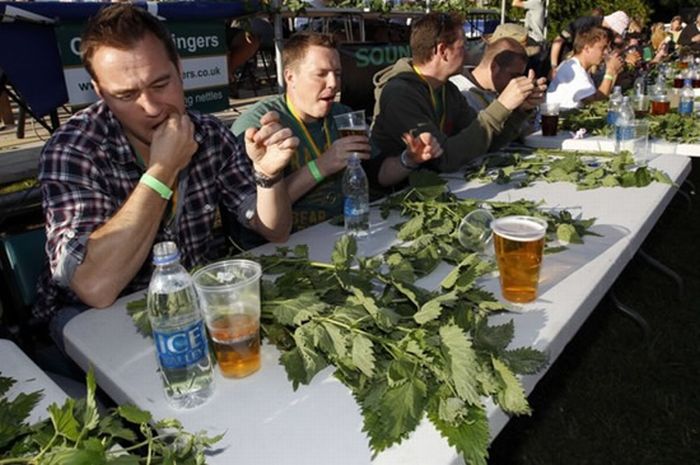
[(356, 204), (685, 107), (178, 330), (624, 128), (614, 105)]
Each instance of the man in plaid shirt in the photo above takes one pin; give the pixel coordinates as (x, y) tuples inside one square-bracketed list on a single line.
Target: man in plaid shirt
[(137, 168)]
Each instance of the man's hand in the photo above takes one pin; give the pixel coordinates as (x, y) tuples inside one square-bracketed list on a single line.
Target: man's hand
[(336, 157), (271, 146), (172, 147), (633, 58), (537, 96), (517, 90), (613, 63), (695, 38), (422, 148)]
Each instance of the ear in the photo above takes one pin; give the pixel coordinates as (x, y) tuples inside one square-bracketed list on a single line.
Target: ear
[(441, 49), (288, 77), (96, 87)]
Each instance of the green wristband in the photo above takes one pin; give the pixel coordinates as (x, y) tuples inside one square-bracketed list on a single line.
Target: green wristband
[(315, 172), (160, 188)]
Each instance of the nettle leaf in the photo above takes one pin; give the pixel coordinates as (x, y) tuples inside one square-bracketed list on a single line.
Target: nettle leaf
[(6, 384), (431, 310), (494, 338), (363, 354), (567, 234), (90, 415), (296, 310), (462, 364), (470, 436), (138, 311), (512, 397), (411, 228), (397, 413), (452, 410), (133, 414), (113, 426), (343, 252), (63, 420), (525, 360), (428, 184), (69, 456), (333, 340), (124, 459)]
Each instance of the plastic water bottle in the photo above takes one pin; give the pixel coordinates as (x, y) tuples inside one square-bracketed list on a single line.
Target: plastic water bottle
[(614, 105), (624, 128), (685, 107), (356, 193), (178, 330)]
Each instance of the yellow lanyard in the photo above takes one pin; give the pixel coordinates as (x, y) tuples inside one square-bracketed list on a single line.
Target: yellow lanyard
[(307, 136), (433, 99)]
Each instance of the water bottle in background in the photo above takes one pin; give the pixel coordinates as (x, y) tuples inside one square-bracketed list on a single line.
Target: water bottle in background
[(614, 105), (640, 85), (356, 193), (624, 126), (685, 107), (178, 330)]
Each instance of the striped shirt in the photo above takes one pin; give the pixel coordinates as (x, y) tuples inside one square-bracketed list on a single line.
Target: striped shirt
[(87, 171)]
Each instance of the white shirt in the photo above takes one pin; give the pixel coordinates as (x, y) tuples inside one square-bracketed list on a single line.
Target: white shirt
[(571, 85)]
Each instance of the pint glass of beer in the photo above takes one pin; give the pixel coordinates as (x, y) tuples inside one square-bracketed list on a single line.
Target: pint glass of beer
[(351, 124), (549, 112), (519, 243), (229, 294)]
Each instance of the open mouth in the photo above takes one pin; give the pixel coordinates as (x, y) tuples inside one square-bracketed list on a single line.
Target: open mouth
[(328, 98)]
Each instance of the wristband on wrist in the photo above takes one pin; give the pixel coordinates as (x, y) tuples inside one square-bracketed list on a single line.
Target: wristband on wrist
[(609, 77), (315, 172), (406, 162), (159, 187)]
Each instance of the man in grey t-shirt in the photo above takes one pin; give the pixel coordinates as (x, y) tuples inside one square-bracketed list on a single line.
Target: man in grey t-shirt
[(534, 17)]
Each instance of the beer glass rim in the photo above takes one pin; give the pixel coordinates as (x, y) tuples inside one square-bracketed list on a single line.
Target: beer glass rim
[(513, 235), (341, 116), (248, 264), (550, 108)]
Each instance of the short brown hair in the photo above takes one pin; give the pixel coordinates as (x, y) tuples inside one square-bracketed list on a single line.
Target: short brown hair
[(121, 26), (589, 37), (296, 46), (432, 29)]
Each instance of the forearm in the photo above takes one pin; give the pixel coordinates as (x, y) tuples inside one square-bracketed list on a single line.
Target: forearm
[(392, 172), (273, 218), (300, 182), (117, 250)]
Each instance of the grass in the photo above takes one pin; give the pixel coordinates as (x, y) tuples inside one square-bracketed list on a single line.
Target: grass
[(612, 397)]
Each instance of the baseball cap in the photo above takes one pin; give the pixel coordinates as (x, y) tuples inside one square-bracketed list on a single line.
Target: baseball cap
[(517, 32)]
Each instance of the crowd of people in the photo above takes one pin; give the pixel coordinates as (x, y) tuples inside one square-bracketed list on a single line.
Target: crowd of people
[(138, 167)]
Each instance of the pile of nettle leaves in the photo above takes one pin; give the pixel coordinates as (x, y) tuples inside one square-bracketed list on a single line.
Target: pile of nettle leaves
[(671, 127), (405, 352), (76, 434), (588, 170)]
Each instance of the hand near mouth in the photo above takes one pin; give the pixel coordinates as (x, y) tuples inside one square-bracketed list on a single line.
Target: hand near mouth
[(172, 146)]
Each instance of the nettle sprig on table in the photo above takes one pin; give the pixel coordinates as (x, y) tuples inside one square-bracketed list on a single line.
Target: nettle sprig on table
[(407, 353), (671, 127), (588, 170), (75, 433)]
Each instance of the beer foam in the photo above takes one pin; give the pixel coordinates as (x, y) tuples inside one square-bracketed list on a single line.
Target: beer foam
[(520, 228)]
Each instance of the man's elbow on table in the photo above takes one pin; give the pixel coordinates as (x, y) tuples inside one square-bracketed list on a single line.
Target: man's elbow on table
[(94, 292)]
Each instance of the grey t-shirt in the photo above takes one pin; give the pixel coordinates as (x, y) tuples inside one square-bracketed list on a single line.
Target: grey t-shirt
[(534, 19)]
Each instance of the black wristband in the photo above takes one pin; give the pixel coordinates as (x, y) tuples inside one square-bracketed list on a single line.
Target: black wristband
[(265, 181)]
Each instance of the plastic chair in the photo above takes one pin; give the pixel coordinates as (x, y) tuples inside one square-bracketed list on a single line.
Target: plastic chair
[(22, 259)]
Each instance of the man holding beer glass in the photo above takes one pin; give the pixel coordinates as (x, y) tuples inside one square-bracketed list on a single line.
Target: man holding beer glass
[(311, 65)]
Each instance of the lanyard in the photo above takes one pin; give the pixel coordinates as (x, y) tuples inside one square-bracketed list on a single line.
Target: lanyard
[(438, 111), (171, 209), (316, 152)]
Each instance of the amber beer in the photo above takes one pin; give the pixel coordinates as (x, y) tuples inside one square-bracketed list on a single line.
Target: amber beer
[(346, 132), (236, 342), (519, 243)]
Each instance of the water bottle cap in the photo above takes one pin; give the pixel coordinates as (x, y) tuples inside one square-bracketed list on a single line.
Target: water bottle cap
[(165, 252)]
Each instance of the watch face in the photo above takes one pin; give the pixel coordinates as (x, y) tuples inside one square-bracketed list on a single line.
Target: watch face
[(265, 181)]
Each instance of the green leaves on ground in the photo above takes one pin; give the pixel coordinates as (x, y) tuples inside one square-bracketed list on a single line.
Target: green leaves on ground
[(588, 170), (76, 434)]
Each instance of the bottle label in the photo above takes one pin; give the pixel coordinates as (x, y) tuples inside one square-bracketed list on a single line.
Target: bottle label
[(182, 348), (685, 107), (354, 207), (624, 132), (612, 117)]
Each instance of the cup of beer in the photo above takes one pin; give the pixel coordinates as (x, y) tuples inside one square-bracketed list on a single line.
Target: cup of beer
[(519, 243), (229, 295), (549, 114), (351, 124)]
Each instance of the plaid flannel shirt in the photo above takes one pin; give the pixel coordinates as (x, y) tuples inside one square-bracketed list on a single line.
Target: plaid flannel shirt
[(87, 171)]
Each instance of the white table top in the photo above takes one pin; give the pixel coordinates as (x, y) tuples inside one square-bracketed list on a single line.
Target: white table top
[(266, 422), (15, 364), (564, 140)]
